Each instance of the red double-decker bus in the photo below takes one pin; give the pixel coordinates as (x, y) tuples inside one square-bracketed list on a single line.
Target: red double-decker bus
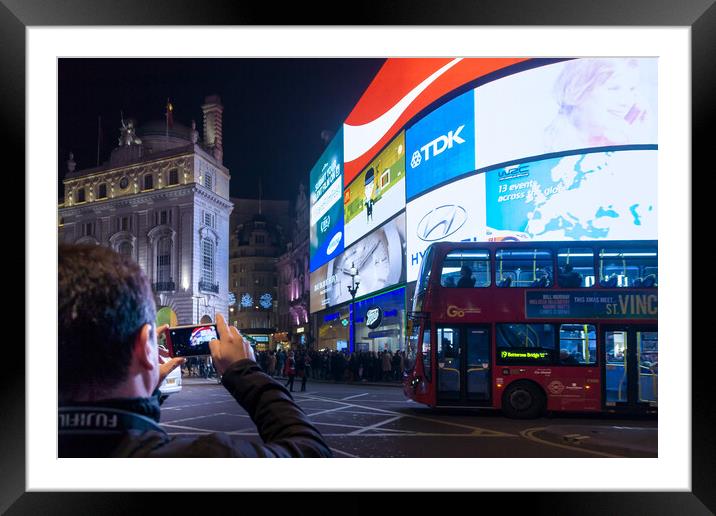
[(529, 327)]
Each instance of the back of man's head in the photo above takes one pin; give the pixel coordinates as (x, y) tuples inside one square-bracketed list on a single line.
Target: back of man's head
[(104, 301)]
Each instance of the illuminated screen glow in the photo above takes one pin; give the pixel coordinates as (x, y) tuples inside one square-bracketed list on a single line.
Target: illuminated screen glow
[(454, 212), (441, 145), (575, 104), (379, 259), (377, 193), (326, 180), (565, 151), (595, 196)]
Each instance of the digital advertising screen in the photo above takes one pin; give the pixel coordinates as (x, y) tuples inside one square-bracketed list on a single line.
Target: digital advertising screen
[(379, 259), (441, 146), (326, 183), (600, 195), (569, 105), (454, 212), (377, 193)]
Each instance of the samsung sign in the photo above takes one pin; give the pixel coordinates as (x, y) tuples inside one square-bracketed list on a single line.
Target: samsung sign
[(441, 145), (454, 212)]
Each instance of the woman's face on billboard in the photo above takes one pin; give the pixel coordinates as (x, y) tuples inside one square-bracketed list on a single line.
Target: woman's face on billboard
[(611, 108)]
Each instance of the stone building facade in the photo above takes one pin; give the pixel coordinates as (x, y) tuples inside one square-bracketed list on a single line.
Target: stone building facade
[(257, 239), (294, 278), (163, 199)]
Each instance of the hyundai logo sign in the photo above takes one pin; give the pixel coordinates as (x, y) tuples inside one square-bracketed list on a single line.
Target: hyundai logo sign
[(441, 222)]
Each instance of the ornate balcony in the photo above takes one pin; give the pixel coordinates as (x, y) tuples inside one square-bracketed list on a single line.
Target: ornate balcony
[(164, 286), (206, 286)]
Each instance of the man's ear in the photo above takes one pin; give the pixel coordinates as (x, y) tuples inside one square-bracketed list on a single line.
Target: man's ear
[(144, 348)]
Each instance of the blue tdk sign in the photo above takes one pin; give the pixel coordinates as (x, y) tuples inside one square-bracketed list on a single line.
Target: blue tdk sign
[(441, 146)]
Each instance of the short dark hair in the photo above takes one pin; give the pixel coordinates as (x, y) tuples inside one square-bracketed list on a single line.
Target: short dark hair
[(104, 300)]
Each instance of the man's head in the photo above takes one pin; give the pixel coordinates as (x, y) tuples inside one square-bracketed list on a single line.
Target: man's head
[(465, 271), (106, 317)]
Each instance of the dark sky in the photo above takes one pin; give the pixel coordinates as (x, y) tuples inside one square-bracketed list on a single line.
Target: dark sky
[(274, 109)]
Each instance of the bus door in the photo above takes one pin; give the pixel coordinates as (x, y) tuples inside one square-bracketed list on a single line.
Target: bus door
[(631, 356), (463, 364)]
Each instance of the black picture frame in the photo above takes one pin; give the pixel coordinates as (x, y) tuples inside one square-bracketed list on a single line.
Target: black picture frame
[(699, 15)]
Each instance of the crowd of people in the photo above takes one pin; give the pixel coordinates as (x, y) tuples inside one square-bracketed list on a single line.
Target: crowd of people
[(338, 366)]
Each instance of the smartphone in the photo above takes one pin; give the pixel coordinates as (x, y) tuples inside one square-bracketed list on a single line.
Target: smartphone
[(192, 340)]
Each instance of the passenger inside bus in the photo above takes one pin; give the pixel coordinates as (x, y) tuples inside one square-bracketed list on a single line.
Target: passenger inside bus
[(466, 280), (610, 281), (569, 278), (565, 357), (543, 279)]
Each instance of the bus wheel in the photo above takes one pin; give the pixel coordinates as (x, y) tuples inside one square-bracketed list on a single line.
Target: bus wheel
[(523, 400)]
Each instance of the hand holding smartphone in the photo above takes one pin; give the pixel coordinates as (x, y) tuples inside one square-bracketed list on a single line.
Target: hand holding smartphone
[(191, 340)]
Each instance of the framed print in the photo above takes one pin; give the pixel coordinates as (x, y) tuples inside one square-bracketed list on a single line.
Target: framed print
[(34, 35)]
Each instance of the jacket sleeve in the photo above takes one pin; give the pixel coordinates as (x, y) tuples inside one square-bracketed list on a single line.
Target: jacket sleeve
[(282, 425)]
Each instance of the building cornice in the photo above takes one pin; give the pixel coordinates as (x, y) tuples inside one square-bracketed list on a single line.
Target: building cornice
[(130, 201)]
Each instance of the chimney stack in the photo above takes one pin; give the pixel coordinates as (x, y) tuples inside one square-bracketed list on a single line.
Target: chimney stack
[(213, 140)]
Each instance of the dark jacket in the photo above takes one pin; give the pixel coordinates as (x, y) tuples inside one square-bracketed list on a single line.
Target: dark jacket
[(129, 427)]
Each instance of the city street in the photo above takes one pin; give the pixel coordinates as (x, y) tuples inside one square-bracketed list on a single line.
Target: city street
[(377, 421)]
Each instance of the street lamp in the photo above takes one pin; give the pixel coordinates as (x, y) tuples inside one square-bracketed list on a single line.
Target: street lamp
[(352, 289)]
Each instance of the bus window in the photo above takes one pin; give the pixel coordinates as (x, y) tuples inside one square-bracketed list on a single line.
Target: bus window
[(525, 344), (523, 267), (577, 344), (423, 278), (466, 269), (576, 267), (426, 352), (634, 267)]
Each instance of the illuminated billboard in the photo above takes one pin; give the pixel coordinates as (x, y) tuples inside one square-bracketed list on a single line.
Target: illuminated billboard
[(454, 212), (326, 183), (379, 259), (441, 145), (402, 88), (570, 105), (601, 195), (377, 193)]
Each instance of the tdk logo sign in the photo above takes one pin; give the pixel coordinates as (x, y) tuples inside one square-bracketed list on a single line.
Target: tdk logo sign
[(441, 222), (437, 146)]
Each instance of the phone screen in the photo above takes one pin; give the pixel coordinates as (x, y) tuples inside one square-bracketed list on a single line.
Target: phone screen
[(192, 340)]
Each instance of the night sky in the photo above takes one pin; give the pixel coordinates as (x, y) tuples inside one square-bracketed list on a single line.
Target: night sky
[(274, 110)]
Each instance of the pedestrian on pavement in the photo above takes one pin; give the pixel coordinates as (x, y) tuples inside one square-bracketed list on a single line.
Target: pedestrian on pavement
[(289, 370), (301, 369), (387, 366), (272, 364), (109, 372)]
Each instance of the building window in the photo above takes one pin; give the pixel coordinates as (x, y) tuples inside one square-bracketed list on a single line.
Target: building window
[(173, 177), (259, 239), (87, 229), (81, 195), (209, 219), (148, 182), (163, 217), (125, 249), (164, 260), (207, 261), (208, 180), (102, 191)]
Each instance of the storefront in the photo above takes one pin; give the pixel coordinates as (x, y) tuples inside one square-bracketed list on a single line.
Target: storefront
[(380, 322), (333, 329), (259, 341)]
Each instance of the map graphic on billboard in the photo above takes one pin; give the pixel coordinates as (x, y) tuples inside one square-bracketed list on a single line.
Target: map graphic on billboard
[(441, 145), (600, 195), (326, 181), (377, 193)]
